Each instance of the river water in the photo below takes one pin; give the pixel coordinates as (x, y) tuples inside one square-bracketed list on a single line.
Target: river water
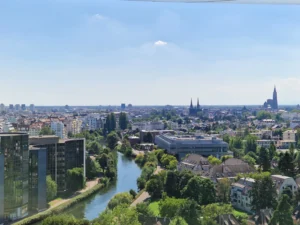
[(90, 208)]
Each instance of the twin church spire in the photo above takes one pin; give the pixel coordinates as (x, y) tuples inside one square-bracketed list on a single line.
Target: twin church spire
[(198, 105)]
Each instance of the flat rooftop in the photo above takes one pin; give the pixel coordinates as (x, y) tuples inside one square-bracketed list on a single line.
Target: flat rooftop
[(44, 136), (11, 134)]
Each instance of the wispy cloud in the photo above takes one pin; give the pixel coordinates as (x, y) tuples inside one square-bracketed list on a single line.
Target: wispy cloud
[(99, 17), (160, 43)]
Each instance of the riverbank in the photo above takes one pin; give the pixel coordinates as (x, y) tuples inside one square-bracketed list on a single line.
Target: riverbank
[(144, 195), (62, 205)]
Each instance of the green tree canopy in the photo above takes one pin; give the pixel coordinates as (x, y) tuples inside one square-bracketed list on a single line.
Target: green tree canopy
[(283, 213), (201, 190), (223, 189), (251, 145), (120, 198), (112, 140), (92, 168), (51, 188), (64, 219), (264, 159), (261, 115), (75, 179), (263, 194), (123, 121), (178, 221), (46, 130)]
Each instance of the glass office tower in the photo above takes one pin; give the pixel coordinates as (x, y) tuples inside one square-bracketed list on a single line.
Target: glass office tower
[(37, 179), (13, 176)]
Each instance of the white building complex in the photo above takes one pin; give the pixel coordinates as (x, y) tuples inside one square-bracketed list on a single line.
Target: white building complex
[(58, 128), (159, 125)]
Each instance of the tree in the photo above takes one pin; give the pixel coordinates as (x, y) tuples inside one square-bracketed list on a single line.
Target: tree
[(226, 138), (64, 219), (120, 198), (190, 211), (112, 122), (263, 115), (132, 192), (169, 207), (251, 144), (214, 161), (272, 151), (212, 211), (123, 121), (155, 187), (225, 157), (286, 164), (159, 154), (75, 179), (92, 168), (148, 138), (223, 189), (178, 221), (144, 210), (51, 188), (166, 159), (112, 140), (264, 159), (171, 183), (201, 190), (94, 147), (46, 130), (283, 213), (172, 165), (249, 159), (103, 161), (263, 193), (120, 215)]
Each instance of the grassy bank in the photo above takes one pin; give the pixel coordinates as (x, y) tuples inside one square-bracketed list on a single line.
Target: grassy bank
[(59, 209)]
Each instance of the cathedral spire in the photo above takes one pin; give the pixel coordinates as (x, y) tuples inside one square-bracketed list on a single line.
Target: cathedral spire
[(191, 106), (198, 106)]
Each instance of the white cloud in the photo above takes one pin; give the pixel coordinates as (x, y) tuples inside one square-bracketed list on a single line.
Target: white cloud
[(160, 43), (99, 17)]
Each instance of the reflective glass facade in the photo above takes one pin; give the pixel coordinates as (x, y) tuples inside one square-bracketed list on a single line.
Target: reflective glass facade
[(13, 176), (37, 179)]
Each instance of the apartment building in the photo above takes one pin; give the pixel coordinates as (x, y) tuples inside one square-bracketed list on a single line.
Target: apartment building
[(59, 129), (240, 194), (289, 135)]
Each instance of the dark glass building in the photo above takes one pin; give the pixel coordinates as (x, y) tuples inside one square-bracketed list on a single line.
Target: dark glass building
[(37, 179), (62, 155), (13, 176)]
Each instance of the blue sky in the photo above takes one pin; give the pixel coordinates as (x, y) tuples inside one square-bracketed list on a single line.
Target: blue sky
[(100, 52)]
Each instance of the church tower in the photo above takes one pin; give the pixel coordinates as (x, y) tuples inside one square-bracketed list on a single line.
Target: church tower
[(191, 106), (198, 106), (275, 101)]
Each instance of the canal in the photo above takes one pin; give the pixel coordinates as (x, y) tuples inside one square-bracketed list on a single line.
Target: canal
[(89, 209)]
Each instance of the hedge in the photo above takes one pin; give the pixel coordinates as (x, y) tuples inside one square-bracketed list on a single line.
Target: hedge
[(59, 209)]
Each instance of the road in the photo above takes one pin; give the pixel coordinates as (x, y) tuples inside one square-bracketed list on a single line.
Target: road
[(145, 195), (89, 185)]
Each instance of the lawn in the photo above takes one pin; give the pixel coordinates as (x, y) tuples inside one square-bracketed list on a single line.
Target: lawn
[(154, 207)]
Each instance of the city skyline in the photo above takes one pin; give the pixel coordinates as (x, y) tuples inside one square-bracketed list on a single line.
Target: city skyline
[(109, 52)]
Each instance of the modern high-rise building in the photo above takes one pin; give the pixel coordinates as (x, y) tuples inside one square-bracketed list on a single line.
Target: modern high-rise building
[(62, 155), (14, 156), (11, 107), (123, 106), (2, 107), (31, 107), (23, 107), (17, 107), (37, 179)]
